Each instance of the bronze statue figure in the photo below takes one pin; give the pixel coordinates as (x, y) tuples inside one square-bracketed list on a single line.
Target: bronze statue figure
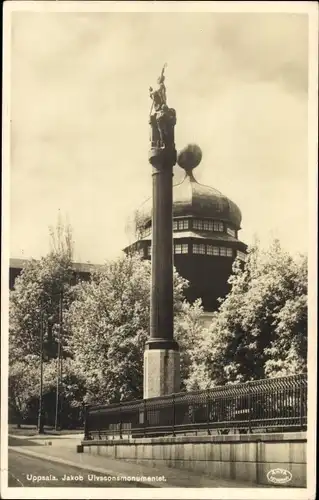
[(163, 119), (159, 95)]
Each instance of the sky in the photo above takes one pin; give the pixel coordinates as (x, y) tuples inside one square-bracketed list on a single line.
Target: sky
[(79, 111)]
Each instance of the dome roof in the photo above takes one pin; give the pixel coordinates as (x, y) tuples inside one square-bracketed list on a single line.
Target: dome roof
[(190, 198)]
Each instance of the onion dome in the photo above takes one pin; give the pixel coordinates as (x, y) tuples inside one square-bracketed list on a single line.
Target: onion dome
[(190, 198)]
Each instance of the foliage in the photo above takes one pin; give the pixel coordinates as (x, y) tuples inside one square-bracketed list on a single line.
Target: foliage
[(189, 333), (40, 292), (109, 325), (105, 327), (260, 329), (23, 380), (35, 299), (24, 387), (135, 225)]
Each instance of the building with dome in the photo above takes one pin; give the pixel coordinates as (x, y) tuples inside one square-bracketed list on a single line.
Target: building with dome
[(205, 238)]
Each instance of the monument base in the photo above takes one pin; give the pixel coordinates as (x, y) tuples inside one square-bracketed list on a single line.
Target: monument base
[(161, 372)]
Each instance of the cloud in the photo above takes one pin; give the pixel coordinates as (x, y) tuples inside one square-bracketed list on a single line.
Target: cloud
[(80, 117), (269, 47)]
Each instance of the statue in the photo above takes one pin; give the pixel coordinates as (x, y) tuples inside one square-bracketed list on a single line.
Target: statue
[(163, 119), (159, 96)]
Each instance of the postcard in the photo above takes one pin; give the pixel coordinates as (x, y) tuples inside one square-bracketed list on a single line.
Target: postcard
[(159, 321)]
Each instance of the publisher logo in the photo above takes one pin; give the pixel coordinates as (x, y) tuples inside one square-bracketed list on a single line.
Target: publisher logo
[(279, 476)]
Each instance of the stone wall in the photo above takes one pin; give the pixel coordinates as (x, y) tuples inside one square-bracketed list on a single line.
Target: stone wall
[(244, 457)]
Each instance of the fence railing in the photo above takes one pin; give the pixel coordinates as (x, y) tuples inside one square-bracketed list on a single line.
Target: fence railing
[(268, 405)]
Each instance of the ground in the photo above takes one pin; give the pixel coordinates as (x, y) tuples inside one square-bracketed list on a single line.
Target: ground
[(42, 455), (30, 471)]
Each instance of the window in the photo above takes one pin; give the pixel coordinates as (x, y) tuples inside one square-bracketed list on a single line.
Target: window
[(218, 226), (241, 255), (195, 248), (181, 248), (231, 232), (198, 224), (149, 250), (183, 224), (208, 225), (198, 248), (209, 250), (180, 224), (141, 252)]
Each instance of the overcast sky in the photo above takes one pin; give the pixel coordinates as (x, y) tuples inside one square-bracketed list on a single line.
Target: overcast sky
[(80, 105)]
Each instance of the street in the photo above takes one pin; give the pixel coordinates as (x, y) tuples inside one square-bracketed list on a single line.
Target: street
[(28, 471)]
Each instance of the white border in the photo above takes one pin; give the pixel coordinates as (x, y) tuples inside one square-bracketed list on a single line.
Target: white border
[(161, 6), (309, 8)]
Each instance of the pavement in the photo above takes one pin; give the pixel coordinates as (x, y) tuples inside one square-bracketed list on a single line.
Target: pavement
[(29, 471), (62, 450)]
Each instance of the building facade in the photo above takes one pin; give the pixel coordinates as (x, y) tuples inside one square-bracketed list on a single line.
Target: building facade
[(205, 238)]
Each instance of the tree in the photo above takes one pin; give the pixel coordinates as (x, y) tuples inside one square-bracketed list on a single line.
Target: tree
[(36, 296), (24, 389), (61, 239), (35, 300), (109, 325), (23, 385), (105, 327), (135, 225), (72, 390), (260, 329), (189, 333)]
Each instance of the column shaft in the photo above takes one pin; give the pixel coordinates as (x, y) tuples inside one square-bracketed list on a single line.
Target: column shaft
[(162, 255)]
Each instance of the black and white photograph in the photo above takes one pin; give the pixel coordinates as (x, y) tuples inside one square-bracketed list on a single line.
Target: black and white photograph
[(159, 241)]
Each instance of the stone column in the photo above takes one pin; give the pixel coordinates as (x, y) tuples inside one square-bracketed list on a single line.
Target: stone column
[(161, 356)]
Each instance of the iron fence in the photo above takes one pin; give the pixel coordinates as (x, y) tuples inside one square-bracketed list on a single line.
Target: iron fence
[(268, 405)]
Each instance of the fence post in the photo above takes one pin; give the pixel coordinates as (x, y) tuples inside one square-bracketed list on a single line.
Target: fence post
[(144, 417), (86, 422), (249, 406), (99, 424), (174, 416), (301, 405), (207, 411), (120, 417)]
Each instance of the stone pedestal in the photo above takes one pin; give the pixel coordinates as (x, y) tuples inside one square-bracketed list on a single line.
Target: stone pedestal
[(161, 372)]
